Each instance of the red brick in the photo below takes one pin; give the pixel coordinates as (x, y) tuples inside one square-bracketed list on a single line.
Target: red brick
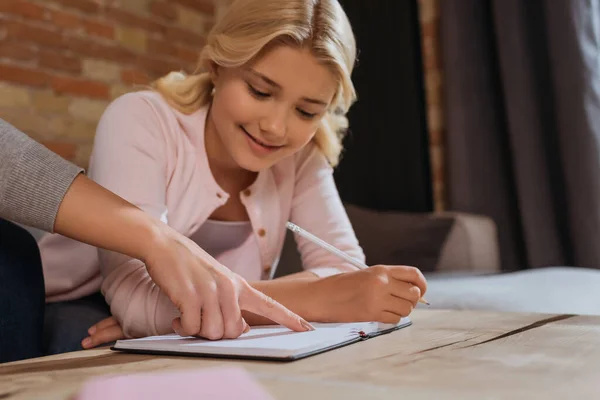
[(435, 137), (89, 48), (23, 75), (203, 6), (65, 19), (34, 34), (6, 6), (69, 20), (438, 173), (157, 67), (16, 51), (430, 29), (187, 55), (54, 60), (181, 35), (24, 9), (87, 6), (129, 19), (80, 87), (115, 53), (208, 26), (65, 150), (163, 10), (431, 62), (99, 29), (81, 46), (134, 77), (161, 47)]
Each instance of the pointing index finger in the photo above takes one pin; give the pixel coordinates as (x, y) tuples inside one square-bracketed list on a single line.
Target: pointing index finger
[(259, 303)]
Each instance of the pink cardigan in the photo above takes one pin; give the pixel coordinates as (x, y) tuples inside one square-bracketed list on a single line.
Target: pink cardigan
[(154, 157)]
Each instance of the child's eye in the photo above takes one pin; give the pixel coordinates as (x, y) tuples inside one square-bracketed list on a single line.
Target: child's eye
[(258, 93), (305, 114)]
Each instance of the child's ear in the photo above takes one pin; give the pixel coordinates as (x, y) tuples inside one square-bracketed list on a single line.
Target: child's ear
[(213, 71)]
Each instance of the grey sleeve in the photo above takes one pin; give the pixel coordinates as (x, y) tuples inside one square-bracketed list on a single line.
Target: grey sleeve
[(33, 180)]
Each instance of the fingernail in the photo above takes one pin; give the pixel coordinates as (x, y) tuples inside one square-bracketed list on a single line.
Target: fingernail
[(92, 330), (306, 325), (87, 342)]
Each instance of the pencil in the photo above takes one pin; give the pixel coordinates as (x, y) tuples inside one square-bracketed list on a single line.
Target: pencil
[(332, 249)]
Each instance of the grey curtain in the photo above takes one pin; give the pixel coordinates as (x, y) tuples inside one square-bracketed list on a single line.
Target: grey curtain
[(522, 98)]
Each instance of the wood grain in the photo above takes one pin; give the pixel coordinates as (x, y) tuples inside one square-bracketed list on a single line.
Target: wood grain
[(449, 354)]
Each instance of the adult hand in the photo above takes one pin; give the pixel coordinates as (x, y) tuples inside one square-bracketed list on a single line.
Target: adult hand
[(209, 296)]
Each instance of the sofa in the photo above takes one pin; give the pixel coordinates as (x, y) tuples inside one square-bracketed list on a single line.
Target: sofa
[(444, 244)]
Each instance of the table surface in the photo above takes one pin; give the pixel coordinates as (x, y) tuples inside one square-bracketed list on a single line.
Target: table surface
[(444, 354)]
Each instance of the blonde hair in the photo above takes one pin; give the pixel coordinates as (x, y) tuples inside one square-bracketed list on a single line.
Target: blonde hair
[(247, 27)]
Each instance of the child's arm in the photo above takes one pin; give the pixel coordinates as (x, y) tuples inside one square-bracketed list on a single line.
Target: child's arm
[(317, 207), (342, 293), (379, 293)]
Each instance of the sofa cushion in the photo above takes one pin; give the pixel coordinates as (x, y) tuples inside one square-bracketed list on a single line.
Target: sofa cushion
[(400, 238)]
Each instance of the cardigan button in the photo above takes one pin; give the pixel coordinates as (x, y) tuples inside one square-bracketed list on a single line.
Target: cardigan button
[(267, 269), (262, 232), (247, 192)]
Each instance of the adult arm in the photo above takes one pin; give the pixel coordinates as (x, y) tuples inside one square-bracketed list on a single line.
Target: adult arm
[(33, 179)]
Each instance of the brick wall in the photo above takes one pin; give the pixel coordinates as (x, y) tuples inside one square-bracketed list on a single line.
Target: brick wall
[(430, 22), (62, 61)]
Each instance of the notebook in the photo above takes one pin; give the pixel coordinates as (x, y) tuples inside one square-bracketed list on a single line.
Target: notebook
[(270, 342)]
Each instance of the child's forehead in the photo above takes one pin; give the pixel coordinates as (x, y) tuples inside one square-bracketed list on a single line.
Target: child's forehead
[(289, 63)]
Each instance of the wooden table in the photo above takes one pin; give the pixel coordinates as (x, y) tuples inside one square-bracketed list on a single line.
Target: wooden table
[(445, 354)]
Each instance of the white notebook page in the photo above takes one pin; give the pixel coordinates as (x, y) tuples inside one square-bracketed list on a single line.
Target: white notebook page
[(259, 338)]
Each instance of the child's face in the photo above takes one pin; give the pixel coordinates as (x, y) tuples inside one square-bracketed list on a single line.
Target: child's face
[(271, 108)]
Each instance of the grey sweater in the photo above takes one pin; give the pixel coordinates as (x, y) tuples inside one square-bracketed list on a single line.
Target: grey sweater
[(33, 180)]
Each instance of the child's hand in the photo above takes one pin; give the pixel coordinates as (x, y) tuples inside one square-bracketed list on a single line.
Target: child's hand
[(380, 293), (106, 331)]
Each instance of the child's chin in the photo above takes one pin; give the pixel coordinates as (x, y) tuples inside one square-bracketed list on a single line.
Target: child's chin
[(253, 164)]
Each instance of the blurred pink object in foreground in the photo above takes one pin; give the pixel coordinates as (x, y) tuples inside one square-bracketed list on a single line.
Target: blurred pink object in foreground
[(213, 383)]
